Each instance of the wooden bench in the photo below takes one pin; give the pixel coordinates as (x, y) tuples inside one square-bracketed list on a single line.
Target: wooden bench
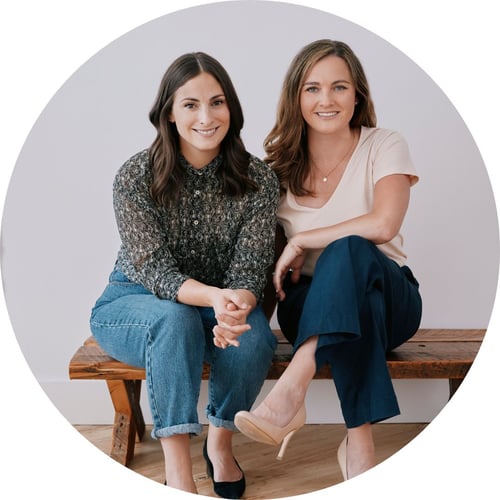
[(430, 354)]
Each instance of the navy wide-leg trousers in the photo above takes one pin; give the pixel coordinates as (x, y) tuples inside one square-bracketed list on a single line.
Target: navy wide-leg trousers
[(361, 304)]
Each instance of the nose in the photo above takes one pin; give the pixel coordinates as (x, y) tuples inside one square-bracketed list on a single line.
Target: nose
[(325, 97), (205, 115)]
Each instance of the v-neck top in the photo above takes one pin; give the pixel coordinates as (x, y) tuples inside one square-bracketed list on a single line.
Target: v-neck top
[(379, 152)]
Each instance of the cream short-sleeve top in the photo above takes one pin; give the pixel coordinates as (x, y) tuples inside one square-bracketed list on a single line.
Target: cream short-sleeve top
[(379, 152)]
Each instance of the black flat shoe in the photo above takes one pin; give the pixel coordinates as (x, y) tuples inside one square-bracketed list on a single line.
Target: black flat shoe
[(225, 489)]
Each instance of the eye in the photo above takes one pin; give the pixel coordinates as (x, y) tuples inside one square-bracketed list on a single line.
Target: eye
[(218, 102), (311, 89), (339, 88), (189, 105)]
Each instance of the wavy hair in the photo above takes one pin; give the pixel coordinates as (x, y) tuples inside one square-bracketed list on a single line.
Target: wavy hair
[(164, 152), (286, 143)]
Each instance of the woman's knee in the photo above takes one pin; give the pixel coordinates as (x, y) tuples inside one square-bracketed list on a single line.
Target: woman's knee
[(177, 328), (139, 311), (262, 333), (339, 253), (132, 323), (351, 245)]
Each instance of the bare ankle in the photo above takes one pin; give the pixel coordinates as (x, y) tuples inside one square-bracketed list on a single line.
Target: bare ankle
[(361, 450), (188, 486), (220, 452), (178, 465)]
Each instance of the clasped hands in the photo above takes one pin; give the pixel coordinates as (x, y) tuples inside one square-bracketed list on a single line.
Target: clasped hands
[(232, 308)]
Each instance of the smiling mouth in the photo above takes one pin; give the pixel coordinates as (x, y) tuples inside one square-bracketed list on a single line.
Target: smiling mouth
[(206, 133), (330, 114)]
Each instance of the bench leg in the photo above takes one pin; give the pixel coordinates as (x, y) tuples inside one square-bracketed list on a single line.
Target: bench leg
[(140, 426), (454, 385), (129, 421)]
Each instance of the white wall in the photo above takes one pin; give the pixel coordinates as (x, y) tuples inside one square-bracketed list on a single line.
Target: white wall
[(59, 239)]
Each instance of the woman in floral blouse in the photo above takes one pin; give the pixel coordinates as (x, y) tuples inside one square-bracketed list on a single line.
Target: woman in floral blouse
[(196, 215)]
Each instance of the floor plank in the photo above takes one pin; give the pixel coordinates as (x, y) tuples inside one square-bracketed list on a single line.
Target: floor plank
[(312, 449)]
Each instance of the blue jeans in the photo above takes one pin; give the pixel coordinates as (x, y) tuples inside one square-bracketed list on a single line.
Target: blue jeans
[(171, 341), (361, 304)]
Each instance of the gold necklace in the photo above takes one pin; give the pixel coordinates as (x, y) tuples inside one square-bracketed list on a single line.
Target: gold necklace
[(349, 150)]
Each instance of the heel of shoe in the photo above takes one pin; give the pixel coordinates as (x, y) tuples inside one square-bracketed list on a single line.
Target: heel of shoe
[(225, 489), (284, 444)]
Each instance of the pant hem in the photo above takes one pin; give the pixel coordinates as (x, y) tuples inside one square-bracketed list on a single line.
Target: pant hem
[(173, 430), (219, 422)]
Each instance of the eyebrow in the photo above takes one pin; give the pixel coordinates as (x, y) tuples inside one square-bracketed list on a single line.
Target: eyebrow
[(197, 100), (333, 83)]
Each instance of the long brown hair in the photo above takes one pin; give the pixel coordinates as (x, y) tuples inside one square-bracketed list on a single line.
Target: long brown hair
[(286, 144), (165, 151)]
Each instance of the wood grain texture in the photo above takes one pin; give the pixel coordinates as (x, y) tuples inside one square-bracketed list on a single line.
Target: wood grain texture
[(431, 353), (309, 464)]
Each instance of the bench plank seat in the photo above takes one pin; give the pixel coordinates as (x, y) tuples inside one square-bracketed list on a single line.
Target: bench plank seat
[(430, 354)]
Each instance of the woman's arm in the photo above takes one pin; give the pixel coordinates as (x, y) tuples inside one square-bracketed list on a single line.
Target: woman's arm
[(253, 253), (142, 232), (254, 247), (380, 225)]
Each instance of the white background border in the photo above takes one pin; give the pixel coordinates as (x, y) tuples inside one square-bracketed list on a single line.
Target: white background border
[(43, 43)]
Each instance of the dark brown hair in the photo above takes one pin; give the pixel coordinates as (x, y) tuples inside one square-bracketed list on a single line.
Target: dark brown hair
[(165, 150), (286, 144)]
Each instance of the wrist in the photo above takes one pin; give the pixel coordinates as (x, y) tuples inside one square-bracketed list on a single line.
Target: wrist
[(194, 293), (295, 245), (244, 296)]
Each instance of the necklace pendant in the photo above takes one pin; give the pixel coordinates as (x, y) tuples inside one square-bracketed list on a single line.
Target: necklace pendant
[(325, 179)]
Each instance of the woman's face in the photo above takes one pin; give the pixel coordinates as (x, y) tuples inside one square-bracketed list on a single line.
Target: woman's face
[(202, 117), (328, 96)]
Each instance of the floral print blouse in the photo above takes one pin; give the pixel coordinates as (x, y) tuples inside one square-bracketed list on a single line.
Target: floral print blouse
[(218, 240)]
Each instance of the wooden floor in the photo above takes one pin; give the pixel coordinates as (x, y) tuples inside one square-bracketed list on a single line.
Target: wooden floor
[(309, 464)]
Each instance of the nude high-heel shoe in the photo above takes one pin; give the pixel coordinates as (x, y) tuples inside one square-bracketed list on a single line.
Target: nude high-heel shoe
[(342, 458), (259, 430)]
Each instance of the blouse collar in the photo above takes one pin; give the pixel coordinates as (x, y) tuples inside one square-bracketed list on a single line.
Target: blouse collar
[(208, 170)]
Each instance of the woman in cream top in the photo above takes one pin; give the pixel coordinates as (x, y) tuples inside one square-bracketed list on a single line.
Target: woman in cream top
[(378, 153), (346, 295)]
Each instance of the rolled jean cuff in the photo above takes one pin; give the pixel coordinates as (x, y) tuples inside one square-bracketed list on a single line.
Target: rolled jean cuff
[(195, 429), (219, 422)]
